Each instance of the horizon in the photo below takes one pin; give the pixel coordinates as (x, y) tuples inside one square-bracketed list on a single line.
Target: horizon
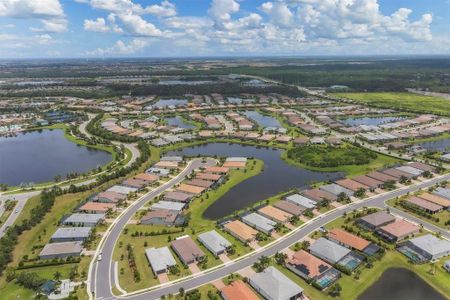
[(222, 28)]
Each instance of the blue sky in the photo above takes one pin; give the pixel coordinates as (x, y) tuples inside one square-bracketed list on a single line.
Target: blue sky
[(168, 28)]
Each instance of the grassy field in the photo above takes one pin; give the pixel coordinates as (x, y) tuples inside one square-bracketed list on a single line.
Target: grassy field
[(197, 225), (403, 101), (379, 162)]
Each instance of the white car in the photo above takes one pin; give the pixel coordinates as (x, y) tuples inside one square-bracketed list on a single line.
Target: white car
[(99, 257)]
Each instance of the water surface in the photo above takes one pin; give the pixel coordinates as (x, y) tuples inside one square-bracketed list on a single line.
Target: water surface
[(277, 176), (400, 284), (38, 156), (179, 122), (262, 120)]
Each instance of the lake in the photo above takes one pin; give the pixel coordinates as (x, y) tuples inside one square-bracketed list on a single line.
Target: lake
[(178, 122), (277, 176), (400, 284), (162, 103), (262, 120), (441, 145), (38, 156), (370, 121)]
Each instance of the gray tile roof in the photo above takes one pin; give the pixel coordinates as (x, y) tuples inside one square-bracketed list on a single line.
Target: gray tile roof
[(443, 192), (160, 258), (301, 201), (328, 250), (84, 218), (431, 244), (72, 233), (336, 189), (259, 221), (169, 205), (275, 284), (214, 241), (410, 170)]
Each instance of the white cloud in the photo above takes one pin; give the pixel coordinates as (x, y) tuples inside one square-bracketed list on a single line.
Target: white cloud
[(221, 10), (121, 48), (49, 12), (136, 25), (279, 13), (98, 25), (166, 9)]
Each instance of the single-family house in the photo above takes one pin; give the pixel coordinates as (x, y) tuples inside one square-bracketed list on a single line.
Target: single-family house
[(160, 259), (214, 242), (71, 234), (187, 250), (61, 250), (240, 231), (375, 220), (259, 222)]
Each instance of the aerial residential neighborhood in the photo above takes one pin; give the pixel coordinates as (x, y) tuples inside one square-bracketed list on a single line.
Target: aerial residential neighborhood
[(224, 149)]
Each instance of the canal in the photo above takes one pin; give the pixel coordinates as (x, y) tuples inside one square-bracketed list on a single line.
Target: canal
[(277, 176)]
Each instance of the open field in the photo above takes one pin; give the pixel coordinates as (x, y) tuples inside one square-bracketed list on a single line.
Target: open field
[(403, 101)]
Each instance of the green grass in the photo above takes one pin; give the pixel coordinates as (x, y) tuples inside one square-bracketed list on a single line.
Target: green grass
[(443, 215), (379, 162), (403, 101), (197, 225)]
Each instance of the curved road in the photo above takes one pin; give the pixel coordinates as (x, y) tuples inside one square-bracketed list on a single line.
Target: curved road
[(103, 285), (101, 277), (132, 147)]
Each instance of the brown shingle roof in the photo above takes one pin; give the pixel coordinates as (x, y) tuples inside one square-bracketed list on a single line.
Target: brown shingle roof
[(435, 199), (186, 248), (348, 239), (208, 176), (351, 184), (97, 206), (381, 176), (424, 204), (200, 182), (289, 207), (146, 177), (400, 228), (191, 189), (274, 213), (241, 230), (219, 170), (167, 215), (319, 195), (378, 218), (178, 196), (368, 181)]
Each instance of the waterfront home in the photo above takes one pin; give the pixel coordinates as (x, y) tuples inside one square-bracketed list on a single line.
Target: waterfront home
[(425, 248), (160, 259), (238, 290), (375, 220), (351, 184), (275, 214), (381, 176), (289, 207), (61, 250), (397, 173), (312, 268), (187, 250), (259, 222), (214, 242), (398, 230), (201, 183), (71, 234), (235, 162), (240, 231), (208, 176), (335, 189), (319, 195), (217, 170), (421, 166), (301, 201), (368, 181), (169, 205), (274, 285), (87, 220)]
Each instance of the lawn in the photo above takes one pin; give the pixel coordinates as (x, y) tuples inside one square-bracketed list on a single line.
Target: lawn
[(344, 156), (403, 101), (197, 224)]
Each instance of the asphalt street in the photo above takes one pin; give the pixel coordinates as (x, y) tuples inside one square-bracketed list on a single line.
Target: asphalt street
[(103, 287)]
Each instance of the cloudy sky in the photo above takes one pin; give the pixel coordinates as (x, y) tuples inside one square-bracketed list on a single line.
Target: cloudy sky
[(168, 28)]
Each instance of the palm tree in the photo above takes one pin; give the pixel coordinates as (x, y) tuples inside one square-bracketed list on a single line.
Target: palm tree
[(57, 275)]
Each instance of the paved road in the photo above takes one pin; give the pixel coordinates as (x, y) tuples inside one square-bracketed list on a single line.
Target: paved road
[(101, 275), (103, 291), (132, 147), (21, 201)]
